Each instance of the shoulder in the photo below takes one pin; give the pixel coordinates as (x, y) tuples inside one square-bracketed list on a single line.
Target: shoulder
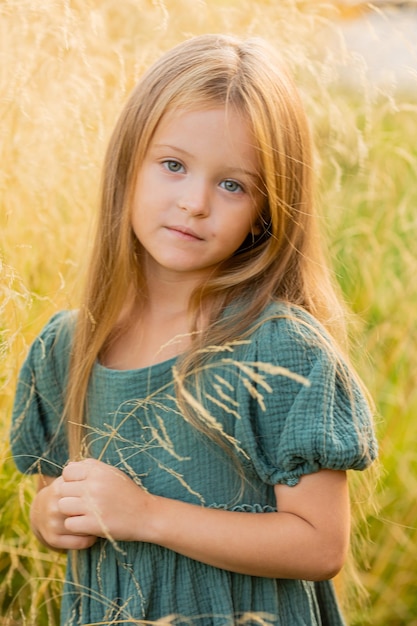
[(289, 337), (52, 346), (290, 318), (58, 329), (309, 409), (291, 331)]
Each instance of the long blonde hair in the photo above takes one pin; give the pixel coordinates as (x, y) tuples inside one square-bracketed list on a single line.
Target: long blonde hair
[(286, 262)]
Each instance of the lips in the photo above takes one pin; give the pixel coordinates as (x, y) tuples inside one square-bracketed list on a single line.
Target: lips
[(184, 232)]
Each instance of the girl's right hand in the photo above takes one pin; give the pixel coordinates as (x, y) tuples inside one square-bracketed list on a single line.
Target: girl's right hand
[(48, 523)]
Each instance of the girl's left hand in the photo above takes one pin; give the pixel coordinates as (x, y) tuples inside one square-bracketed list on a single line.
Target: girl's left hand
[(99, 499)]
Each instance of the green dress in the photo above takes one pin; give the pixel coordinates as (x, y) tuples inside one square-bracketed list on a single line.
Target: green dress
[(280, 398)]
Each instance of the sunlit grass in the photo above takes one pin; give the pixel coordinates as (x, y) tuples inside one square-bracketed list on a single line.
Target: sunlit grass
[(374, 246), (66, 68)]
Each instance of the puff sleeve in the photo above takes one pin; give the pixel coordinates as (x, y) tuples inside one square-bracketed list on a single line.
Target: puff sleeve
[(318, 419), (37, 437)]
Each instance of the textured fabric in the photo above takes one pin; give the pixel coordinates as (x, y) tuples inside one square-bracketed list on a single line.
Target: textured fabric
[(282, 399)]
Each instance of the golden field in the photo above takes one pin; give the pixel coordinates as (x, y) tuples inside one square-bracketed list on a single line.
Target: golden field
[(66, 68)]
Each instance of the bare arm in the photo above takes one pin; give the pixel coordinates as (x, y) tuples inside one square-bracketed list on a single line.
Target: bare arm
[(306, 539), (48, 523)]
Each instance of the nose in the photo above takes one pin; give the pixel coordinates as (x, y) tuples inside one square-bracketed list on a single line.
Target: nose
[(195, 198)]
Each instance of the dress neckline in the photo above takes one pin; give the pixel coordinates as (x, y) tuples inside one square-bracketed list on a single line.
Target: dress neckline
[(155, 368)]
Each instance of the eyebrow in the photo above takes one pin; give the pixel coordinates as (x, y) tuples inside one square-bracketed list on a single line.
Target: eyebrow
[(240, 170)]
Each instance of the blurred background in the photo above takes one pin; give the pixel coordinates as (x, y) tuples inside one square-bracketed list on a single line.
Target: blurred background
[(66, 68)]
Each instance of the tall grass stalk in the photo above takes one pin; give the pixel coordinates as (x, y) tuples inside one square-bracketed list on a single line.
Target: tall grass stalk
[(66, 69)]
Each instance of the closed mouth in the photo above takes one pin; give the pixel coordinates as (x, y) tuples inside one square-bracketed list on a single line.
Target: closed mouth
[(187, 232)]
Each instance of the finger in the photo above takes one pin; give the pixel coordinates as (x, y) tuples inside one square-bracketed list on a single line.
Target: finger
[(75, 470), (81, 542), (71, 489), (75, 542), (80, 525), (57, 483), (71, 506)]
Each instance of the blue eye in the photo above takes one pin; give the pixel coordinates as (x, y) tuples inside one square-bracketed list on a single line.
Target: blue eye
[(231, 185), (173, 166)]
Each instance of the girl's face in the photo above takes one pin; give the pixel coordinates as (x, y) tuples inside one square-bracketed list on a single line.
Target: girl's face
[(196, 197)]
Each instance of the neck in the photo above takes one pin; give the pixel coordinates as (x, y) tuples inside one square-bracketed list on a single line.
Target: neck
[(169, 293), (166, 298), (153, 330)]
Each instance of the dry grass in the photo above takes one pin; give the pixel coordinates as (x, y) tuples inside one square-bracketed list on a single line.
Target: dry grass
[(66, 68)]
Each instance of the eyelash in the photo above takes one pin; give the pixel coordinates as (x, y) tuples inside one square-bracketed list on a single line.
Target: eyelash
[(173, 162), (167, 164), (238, 189)]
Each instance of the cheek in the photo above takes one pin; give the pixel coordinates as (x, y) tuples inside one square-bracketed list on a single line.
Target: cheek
[(145, 184), (253, 223), (244, 231)]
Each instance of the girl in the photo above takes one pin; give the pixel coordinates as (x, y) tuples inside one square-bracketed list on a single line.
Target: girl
[(193, 421)]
